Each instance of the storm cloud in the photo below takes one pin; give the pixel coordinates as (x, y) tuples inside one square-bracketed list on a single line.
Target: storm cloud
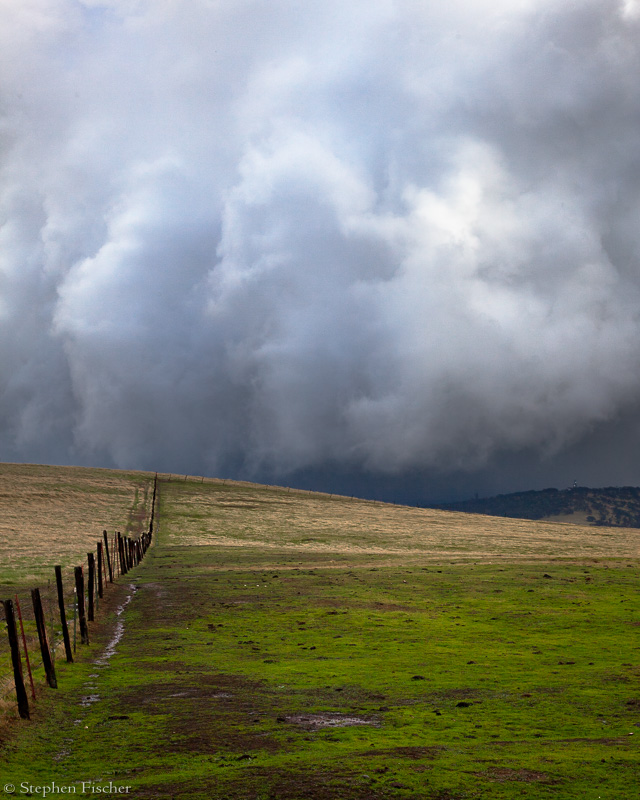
[(386, 238)]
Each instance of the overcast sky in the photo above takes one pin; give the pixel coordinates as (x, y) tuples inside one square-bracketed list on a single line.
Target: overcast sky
[(375, 244)]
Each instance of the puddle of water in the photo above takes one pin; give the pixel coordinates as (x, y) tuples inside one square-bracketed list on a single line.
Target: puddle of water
[(89, 699), (216, 696), (65, 752), (110, 649), (315, 721), (92, 697)]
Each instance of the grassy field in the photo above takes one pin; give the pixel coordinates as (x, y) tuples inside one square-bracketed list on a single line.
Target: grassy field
[(238, 515), (54, 515), (285, 645)]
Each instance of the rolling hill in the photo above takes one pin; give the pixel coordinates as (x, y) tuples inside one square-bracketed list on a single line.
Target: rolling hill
[(276, 643), (615, 506)]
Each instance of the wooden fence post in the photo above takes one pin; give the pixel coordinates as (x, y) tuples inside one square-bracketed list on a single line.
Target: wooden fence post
[(42, 636), (106, 550), (96, 596), (122, 554), (21, 692), (26, 650), (84, 628), (75, 617), (63, 616), (91, 582), (99, 568), (52, 633), (153, 505), (105, 577)]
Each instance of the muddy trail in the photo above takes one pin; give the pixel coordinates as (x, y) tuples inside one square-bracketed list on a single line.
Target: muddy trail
[(358, 682)]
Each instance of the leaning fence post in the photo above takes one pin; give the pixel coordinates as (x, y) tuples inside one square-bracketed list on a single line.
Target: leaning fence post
[(63, 616), (42, 636), (91, 582), (52, 633), (21, 693), (75, 616), (84, 628), (26, 651)]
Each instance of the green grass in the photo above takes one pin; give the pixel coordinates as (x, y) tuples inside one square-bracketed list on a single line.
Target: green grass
[(469, 679)]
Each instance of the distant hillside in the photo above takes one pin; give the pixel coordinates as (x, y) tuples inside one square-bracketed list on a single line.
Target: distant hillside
[(614, 506)]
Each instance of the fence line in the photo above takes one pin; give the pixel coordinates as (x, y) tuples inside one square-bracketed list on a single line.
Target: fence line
[(113, 557)]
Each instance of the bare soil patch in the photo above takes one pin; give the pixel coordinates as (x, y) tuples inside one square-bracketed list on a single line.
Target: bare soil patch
[(504, 774), (314, 722)]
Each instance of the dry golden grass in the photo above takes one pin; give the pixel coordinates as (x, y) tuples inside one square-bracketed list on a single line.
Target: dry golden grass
[(246, 515), (55, 515)]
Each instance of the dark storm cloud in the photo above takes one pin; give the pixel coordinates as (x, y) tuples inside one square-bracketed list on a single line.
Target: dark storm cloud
[(260, 238)]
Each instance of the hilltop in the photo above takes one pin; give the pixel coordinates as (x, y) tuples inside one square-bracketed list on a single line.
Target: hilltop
[(615, 506)]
